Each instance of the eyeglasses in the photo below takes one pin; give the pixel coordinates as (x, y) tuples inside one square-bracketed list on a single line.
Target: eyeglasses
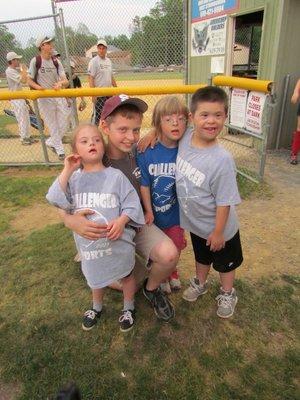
[(172, 121)]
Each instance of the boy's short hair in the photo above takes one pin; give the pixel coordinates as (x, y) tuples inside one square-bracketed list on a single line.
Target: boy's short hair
[(210, 94), (122, 104), (167, 105)]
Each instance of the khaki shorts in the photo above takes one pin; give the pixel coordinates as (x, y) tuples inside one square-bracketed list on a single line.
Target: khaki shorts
[(146, 239)]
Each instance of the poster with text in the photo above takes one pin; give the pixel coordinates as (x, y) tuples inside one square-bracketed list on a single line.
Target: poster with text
[(254, 112), (238, 105), (202, 9), (209, 37)]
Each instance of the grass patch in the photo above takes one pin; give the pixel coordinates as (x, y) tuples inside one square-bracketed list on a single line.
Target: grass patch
[(21, 192), (249, 189), (253, 356), (5, 133)]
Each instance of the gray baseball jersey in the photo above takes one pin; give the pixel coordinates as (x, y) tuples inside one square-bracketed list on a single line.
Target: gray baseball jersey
[(101, 70), (205, 179), (109, 194), (13, 77), (47, 75)]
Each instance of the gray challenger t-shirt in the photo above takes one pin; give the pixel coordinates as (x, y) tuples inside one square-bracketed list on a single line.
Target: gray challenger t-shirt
[(47, 75), (109, 194), (205, 179)]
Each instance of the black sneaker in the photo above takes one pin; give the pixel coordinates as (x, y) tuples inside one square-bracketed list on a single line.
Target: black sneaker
[(126, 320), (90, 318), (61, 157), (162, 306)]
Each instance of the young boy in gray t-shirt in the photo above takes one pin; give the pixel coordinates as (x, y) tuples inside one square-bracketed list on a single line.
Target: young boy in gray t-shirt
[(207, 193), (85, 183)]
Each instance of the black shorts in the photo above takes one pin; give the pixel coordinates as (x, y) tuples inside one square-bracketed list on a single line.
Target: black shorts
[(224, 260), (298, 110)]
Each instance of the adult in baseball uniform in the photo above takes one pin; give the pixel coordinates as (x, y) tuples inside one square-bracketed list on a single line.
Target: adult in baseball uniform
[(16, 74), (47, 72), (100, 75)]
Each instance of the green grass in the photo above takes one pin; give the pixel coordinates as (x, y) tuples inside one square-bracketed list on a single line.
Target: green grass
[(141, 76), (22, 192), (4, 132), (249, 189), (253, 356)]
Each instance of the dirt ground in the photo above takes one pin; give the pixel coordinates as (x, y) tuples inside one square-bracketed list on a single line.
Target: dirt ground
[(269, 226)]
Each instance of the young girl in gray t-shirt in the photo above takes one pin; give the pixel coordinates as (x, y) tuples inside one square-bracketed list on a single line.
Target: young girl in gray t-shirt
[(85, 183)]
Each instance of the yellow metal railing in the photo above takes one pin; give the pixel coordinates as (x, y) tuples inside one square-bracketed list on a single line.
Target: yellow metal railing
[(132, 91), (243, 83)]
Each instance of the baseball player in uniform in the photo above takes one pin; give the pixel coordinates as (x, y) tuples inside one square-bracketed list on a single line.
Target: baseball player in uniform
[(16, 74), (100, 75), (47, 72)]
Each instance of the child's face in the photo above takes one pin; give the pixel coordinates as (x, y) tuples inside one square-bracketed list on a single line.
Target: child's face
[(208, 120), (89, 145), (122, 133), (172, 128)]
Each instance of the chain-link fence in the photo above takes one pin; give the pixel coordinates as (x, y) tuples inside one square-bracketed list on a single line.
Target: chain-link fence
[(246, 49), (145, 44)]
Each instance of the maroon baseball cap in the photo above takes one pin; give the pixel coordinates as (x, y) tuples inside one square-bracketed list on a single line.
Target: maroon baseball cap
[(114, 102)]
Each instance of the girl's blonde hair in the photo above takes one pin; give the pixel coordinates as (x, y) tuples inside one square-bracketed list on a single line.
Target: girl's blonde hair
[(79, 128), (167, 105)]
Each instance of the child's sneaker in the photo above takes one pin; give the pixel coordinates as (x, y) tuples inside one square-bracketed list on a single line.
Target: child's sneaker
[(175, 284), (26, 142), (126, 320), (293, 159), (162, 306), (90, 318), (165, 287), (194, 290), (226, 303)]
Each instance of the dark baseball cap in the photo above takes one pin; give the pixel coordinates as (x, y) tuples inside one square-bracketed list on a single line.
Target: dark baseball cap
[(114, 102)]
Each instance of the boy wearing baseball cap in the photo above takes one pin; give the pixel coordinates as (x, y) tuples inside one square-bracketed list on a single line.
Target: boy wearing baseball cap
[(46, 72), (16, 74), (121, 121)]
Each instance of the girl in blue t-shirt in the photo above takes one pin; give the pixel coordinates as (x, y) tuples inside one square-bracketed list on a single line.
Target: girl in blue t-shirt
[(158, 165)]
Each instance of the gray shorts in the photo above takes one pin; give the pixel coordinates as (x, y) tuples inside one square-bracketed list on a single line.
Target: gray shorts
[(147, 238)]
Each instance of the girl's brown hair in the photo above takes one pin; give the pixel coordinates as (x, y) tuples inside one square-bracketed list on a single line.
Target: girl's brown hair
[(79, 128), (167, 105)]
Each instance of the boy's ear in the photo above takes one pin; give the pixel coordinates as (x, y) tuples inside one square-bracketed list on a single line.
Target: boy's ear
[(104, 127)]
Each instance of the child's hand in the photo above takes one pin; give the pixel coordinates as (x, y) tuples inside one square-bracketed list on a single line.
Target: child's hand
[(149, 140), (72, 162), (215, 241), (116, 227), (149, 217)]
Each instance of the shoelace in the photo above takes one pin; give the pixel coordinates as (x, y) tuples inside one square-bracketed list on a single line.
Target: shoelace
[(161, 300), (127, 316), (224, 300), (90, 314), (195, 286)]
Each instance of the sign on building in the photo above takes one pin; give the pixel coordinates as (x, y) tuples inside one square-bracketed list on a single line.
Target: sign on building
[(209, 37), (238, 106), (202, 9), (254, 111)]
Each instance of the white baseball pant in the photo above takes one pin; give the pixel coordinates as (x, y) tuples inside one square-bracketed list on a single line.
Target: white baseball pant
[(56, 114), (22, 115)]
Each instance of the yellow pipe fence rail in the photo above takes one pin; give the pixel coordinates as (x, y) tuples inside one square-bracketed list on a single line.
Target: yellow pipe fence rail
[(132, 91), (243, 83)]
